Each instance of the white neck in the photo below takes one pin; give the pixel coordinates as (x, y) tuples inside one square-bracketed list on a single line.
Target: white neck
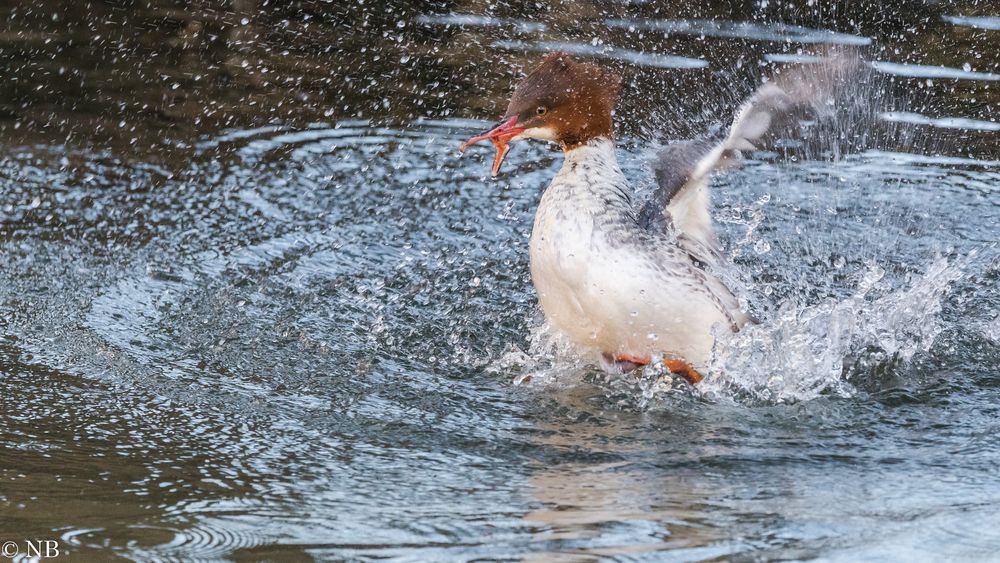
[(597, 150), (590, 179)]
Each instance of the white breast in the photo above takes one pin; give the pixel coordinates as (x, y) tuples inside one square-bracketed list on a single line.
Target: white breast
[(604, 283)]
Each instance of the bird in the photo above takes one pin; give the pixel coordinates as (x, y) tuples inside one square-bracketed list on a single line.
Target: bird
[(629, 282)]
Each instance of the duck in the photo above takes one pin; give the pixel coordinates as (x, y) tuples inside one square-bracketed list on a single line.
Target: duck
[(628, 282)]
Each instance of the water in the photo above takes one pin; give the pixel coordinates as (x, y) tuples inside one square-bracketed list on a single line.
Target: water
[(269, 315)]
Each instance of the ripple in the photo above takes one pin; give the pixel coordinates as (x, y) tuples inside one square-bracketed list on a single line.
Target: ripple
[(941, 122), (977, 22), (238, 135), (210, 537), (992, 330), (322, 139), (637, 58), (928, 71), (963, 531), (336, 285), (792, 58), (742, 30), (911, 158), (473, 20)]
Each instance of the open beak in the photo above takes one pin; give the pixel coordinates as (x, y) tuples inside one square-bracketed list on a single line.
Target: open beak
[(500, 136)]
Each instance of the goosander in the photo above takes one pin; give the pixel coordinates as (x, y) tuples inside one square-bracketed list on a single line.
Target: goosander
[(624, 281)]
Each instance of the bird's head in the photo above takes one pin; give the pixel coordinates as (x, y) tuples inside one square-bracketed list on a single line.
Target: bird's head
[(561, 100)]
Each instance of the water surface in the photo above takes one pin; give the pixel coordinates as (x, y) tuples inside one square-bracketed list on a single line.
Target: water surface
[(255, 306)]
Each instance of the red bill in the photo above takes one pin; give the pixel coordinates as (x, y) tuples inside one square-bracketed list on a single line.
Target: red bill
[(500, 136)]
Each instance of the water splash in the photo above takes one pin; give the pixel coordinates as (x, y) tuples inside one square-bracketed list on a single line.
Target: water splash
[(805, 351), (809, 350), (992, 330), (549, 359), (551, 362)]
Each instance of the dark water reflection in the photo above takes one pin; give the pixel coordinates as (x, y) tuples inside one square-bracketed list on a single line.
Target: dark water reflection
[(255, 307)]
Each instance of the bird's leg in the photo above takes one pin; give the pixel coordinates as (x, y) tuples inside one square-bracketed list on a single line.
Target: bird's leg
[(683, 369), (628, 363), (624, 362)]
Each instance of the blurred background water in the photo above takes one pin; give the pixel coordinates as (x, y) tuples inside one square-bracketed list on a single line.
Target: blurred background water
[(253, 306)]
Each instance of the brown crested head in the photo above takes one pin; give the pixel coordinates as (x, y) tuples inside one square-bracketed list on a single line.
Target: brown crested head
[(561, 100), (572, 99)]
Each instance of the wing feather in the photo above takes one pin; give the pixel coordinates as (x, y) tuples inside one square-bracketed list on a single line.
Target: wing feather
[(682, 169)]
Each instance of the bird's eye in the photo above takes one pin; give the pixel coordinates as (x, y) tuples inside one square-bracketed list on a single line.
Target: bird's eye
[(541, 110)]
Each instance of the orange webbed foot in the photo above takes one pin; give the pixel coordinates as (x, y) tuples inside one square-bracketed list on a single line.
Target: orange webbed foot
[(683, 369), (641, 360), (628, 363), (624, 363)]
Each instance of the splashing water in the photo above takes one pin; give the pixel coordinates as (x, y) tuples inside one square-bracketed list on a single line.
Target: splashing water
[(807, 350), (551, 362), (803, 352)]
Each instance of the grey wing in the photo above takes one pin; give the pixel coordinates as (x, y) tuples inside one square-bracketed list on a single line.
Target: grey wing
[(673, 168), (681, 199), (682, 170)]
